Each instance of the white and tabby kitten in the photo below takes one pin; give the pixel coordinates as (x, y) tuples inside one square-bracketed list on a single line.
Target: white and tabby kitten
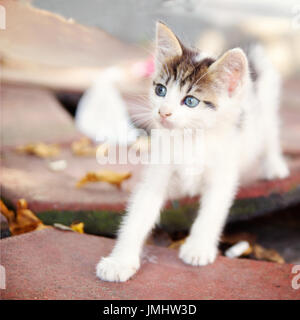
[(237, 111)]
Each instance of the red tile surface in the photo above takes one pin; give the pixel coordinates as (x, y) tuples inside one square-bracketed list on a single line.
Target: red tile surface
[(52, 264), (33, 115), (29, 177)]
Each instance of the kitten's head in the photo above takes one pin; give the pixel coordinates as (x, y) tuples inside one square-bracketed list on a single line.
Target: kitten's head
[(190, 89)]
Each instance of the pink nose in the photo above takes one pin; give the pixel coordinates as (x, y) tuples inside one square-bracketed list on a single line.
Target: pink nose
[(164, 114)]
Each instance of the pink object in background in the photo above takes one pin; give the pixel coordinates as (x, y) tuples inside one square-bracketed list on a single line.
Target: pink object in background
[(144, 69)]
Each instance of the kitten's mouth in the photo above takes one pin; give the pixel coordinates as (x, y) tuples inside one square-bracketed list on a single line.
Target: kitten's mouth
[(166, 123)]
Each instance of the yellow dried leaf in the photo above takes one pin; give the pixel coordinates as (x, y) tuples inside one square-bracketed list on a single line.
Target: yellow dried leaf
[(262, 253), (248, 251), (83, 147), (77, 227), (176, 244), (39, 149), (23, 221), (115, 178), (102, 149)]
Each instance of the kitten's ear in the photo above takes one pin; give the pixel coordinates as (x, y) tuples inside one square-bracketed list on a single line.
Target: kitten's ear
[(230, 70), (167, 44)]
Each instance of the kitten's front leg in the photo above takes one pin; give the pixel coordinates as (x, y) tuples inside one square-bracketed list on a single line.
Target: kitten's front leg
[(143, 211), (201, 247)]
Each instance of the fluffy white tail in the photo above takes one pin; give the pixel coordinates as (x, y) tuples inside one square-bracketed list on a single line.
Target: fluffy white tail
[(102, 114), (268, 82)]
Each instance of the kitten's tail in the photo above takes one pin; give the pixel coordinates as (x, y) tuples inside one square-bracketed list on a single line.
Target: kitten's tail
[(266, 78), (102, 113)]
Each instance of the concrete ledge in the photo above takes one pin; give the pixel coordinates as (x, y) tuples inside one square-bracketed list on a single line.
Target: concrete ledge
[(54, 197)]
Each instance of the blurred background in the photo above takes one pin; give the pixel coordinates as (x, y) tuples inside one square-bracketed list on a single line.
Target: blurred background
[(211, 25), (53, 52)]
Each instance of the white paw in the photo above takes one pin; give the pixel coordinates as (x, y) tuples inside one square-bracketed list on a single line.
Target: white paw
[(197, 254), (116, 270), (276, 169)]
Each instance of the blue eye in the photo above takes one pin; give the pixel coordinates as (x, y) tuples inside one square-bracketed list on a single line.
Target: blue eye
[(191, 101), (160, 90)]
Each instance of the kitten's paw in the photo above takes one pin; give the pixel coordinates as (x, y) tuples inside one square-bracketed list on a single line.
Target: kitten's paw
[(197, 254), (116, 270), (276, 169)]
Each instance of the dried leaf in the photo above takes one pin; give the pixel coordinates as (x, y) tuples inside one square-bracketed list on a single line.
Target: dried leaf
[(10, 215), (102, 149), (176, 244), (78, 227), (262, 253), (115, 178), (23, 221), (83, 147), (248, 251), (39, 149)]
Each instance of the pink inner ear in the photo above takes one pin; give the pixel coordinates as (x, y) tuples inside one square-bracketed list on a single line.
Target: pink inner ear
[(234, 81)]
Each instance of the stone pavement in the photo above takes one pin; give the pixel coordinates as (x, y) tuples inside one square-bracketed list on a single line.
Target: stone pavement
[(31, 115), (34, 115), (53, 264), (59, 53)]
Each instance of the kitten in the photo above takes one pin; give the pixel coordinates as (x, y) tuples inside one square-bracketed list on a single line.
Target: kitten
[(238, 115)]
